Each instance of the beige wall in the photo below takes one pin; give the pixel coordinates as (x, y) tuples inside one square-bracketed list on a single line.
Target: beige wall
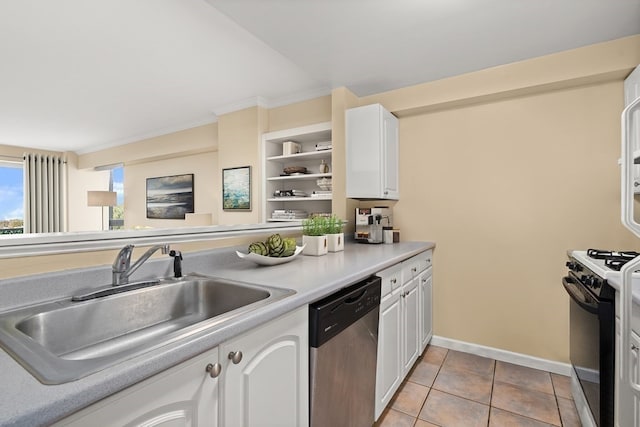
[(81, 217), (206, 179), (317, 110), (505, 188), (186, 142), (239, 145), (505, 180)]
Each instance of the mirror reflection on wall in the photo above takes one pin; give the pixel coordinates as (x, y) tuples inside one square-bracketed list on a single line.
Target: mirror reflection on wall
[(14, 192)]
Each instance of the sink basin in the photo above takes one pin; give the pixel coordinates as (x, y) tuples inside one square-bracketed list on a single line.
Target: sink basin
[(63, 341)]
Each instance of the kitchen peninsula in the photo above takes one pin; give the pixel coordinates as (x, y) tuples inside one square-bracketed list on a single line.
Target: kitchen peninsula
[(25, 401)]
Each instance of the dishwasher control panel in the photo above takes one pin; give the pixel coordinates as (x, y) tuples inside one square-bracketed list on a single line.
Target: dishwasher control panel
[(333, 314)]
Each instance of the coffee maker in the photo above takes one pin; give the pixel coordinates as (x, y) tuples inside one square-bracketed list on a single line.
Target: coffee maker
[(369, 223)]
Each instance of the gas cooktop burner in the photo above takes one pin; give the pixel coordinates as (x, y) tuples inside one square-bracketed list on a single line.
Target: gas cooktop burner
[(612, 259)]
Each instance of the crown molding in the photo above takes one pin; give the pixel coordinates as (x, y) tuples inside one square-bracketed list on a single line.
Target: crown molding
[(259, 101)]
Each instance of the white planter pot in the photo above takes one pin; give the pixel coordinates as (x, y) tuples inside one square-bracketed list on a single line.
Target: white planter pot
[(335, 242), (315, 245)]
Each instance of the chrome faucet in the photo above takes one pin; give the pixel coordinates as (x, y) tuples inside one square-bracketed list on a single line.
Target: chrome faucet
[(122, 267)]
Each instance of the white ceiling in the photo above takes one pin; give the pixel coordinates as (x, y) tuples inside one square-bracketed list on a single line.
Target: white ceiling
[(82, 75)]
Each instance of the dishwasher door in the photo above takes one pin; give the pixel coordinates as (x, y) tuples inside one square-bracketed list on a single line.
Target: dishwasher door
[(343, 356)]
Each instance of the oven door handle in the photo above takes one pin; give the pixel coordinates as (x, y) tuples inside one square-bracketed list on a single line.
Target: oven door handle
[(584, 300)]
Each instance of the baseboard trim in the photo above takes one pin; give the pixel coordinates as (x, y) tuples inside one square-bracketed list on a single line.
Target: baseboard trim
[(503, 355)]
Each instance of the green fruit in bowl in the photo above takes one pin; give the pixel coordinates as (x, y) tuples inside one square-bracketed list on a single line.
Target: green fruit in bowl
[(289, 247), (258, 248), (275, 244)]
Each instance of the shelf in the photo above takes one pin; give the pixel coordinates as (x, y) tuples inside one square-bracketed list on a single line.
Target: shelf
[(306, 176), (283, 220), (298, 199), (319, 132), (309, 155)]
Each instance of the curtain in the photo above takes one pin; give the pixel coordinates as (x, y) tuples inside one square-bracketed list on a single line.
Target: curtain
[(44, 193)]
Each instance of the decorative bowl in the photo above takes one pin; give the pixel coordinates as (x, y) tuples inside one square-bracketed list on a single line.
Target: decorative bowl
[(268, 260), (294, 169), (324, 183)]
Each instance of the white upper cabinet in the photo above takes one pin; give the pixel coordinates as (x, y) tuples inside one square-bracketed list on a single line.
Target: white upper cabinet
[(372, 153)]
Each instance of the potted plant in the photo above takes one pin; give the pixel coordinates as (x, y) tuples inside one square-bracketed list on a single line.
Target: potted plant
[(335, 236), (314, 237)]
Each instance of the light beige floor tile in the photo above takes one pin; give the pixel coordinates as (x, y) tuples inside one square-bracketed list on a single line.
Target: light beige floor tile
[(447, 410), (523, 376), (464, 384), (525, 402), (434, 355), (568, 413), (422, 423), (469, 362), (393, 418), (409, 398), (423, 373), (500, 418), (562, 386)]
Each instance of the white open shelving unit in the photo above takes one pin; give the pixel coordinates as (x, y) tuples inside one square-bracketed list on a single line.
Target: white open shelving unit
[(274, 163)]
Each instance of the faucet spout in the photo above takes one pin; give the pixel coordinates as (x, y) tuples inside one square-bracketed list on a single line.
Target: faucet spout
[(122, 267)]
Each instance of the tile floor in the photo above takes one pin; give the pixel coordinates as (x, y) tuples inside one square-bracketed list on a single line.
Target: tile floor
[(449, 388)]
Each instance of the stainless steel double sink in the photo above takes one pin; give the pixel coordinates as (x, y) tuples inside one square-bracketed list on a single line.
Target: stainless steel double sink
[(63, 340)]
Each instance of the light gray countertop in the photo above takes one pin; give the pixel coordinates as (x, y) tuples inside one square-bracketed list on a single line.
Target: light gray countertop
[(25, 401)]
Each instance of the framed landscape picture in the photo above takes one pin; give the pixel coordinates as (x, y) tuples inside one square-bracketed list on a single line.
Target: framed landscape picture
[(170, 197), (236, 189)]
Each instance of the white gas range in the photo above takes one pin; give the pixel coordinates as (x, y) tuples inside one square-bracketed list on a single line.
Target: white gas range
[(606, 265), (592, 279)]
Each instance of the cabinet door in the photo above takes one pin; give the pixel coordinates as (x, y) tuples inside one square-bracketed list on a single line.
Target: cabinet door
[(410, 303), (426, 316), (635, 343), (269, 386), (390, 156), (183, 396), (388, 376)]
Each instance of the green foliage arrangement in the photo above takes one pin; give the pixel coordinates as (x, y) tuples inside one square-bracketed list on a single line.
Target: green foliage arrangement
[(314, 226), (334, 225)]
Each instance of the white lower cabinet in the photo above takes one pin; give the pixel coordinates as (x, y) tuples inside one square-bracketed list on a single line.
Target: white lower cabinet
[(404, 328), (183, 396), (426, 317), (267, 385), (410, 325), (627, 411), (389, 364)]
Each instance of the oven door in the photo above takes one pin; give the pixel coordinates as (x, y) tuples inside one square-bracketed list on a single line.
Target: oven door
[(591, 348)]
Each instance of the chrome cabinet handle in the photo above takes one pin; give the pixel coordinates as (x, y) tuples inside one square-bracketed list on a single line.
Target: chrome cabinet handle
[(393, 281), (235, 356), (634, 347), (429, 260), (214, 370), (414, 269)]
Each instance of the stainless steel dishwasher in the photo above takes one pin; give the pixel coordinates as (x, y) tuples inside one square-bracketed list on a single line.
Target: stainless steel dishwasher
[(343, 336)]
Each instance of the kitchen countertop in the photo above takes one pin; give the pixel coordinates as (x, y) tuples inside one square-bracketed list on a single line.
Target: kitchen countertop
[(26, 401)]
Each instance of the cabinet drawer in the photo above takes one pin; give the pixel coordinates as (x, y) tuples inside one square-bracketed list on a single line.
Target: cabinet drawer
[(391, 279), (415, 265)]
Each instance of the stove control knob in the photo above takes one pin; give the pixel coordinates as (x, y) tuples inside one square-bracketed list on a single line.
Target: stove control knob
[(573, 266), (596, 283)]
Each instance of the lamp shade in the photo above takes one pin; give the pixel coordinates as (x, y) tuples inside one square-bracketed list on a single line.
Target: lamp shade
[(101, 198)]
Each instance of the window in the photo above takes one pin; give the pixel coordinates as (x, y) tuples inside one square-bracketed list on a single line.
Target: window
[(11, 198), (116, 213)]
